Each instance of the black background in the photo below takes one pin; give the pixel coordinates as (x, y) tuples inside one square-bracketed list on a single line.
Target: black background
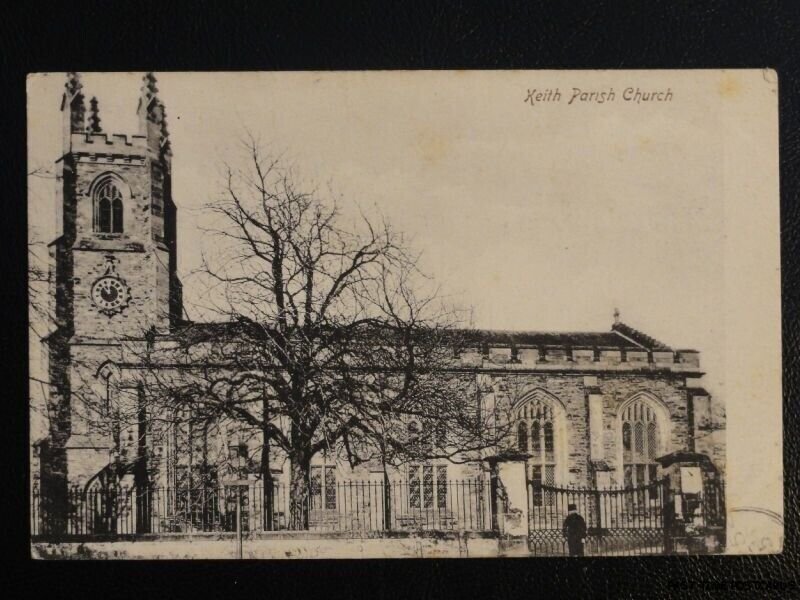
[(139, 36)]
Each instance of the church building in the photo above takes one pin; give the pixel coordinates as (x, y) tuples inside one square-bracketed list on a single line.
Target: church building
[(591, 409)]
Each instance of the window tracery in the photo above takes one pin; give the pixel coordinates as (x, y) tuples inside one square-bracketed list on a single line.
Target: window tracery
[(108, 208)]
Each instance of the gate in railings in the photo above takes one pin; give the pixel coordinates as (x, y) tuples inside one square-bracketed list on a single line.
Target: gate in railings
[(623, 522)]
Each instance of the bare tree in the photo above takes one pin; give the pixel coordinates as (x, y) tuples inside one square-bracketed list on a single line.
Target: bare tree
[(331, 337), (40, 317)]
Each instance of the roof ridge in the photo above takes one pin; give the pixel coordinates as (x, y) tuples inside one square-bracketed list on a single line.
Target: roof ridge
[(629, 339), (547, 331), (639, 337)]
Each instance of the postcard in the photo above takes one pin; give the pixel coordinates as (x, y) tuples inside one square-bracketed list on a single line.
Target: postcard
[(404, 314)]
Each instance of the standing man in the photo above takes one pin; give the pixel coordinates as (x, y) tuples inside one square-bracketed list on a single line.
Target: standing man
[(574, 531)]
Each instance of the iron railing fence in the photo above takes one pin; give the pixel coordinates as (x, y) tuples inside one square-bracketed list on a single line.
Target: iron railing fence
[(628, 521), (346, 506)]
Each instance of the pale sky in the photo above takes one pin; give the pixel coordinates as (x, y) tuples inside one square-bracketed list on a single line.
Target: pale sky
[(541, 217)]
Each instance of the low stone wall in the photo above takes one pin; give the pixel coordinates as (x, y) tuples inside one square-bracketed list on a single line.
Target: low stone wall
[(287, 545)]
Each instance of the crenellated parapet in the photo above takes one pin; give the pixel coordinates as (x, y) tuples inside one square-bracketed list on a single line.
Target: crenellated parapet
[(579, 359), (109, 147)]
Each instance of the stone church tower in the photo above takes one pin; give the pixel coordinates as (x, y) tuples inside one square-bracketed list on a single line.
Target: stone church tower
[(113, 273)]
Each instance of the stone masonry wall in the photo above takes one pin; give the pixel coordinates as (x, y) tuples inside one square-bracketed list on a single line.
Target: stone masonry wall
[(133, 181), (569, 388), (89, 445), (145, 307), (616, 388), (668, 389)]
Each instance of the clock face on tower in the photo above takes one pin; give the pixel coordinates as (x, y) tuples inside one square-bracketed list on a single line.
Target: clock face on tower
[(110, 294)]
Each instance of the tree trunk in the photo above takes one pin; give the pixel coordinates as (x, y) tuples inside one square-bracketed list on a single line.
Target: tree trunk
[(299, 491), (141, 475), (387, 498), (266, 477), (266, 473)]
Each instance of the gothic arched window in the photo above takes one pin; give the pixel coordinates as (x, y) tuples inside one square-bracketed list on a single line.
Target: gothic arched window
[(640, 443), (543, 461), (548, 438), (651, 440), (108, 208)]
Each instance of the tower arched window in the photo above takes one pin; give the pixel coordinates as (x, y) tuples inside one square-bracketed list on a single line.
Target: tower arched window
[(116, 216), (108, 208), (640, 443), (104, 215)]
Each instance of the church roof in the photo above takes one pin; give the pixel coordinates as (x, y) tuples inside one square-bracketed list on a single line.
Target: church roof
[(621, 336), (574, 339)]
